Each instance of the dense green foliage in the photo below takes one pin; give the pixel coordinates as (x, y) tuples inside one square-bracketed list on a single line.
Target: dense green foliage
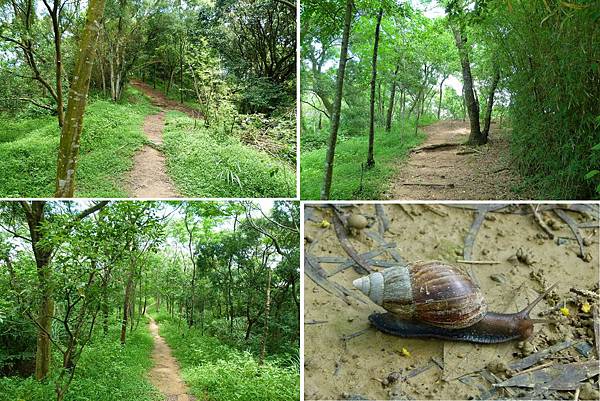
[(214, 162), (535, 63), (555, 92), (111, 135), (355, 182), (107, 371), (216, 371), (77, 278)]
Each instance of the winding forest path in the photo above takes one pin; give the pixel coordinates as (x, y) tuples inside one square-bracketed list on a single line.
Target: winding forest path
[(149, 178), (443, 168), (165, 374)]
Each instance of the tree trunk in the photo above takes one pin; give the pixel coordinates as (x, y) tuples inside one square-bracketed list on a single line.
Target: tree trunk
[(370, 156), (181, 69), (490, 104), (42, 254), (390, 110), (71, 130), (440, 102), (126, 302), (266, 328), (475, 137), (105, 305), (337, 103)]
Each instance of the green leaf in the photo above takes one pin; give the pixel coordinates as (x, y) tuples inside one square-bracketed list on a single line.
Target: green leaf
[(591, 174)]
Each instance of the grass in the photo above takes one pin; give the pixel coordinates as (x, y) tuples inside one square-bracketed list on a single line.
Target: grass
[(390, 148), (106, 372), (206, 162), (215, 371), (112, 133)]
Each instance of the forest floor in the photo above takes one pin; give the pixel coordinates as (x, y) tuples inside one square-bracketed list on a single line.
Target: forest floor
[(165, 374), (149, 178), (443, 168), (346, 358)]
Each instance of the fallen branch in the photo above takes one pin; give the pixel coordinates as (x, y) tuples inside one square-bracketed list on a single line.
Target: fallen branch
[(427, 184), (436, 146), (573, 226), (479, 262), (541, 222)]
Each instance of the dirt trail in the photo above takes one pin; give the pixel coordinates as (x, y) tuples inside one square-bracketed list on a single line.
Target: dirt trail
[(149, 178), (165, 374), (455, 171), (160, 100)]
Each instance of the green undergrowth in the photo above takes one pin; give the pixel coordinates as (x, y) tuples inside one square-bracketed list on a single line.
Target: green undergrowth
[(207, 162), (112, 133), (215, 371), (390, 148), (106, 372)]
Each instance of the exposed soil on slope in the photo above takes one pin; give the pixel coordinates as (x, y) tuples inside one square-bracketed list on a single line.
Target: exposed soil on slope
[(160, 100), (165, 374), (339, 365), (149, 178), (443, 168)]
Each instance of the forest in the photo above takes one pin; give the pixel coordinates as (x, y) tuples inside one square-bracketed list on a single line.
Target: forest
[(141, 301), (450, 99), (154, 99)]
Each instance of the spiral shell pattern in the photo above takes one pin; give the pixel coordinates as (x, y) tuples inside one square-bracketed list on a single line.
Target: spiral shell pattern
[(431, 292)]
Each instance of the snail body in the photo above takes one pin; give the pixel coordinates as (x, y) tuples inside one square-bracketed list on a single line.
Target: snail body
[(437, 300)]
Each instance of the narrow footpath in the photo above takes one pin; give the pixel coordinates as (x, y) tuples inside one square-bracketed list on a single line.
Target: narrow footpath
[(444, 168), (149, 178), (165, 374)]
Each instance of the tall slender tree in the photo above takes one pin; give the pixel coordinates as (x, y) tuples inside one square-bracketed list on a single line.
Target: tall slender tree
[(337, 103), (370, 157)]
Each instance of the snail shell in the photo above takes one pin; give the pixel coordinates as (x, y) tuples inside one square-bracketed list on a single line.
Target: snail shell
[(432, 292)]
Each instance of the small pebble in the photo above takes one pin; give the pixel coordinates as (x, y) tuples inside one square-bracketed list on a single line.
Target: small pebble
[(588, 392), (358, 221)]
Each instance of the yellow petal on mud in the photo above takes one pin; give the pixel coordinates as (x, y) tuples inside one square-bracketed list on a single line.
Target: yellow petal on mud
[(586, 307), (325, 224), (405, 352), (565, 311)]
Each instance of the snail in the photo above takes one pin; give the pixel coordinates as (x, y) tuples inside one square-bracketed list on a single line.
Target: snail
[(433, 299)]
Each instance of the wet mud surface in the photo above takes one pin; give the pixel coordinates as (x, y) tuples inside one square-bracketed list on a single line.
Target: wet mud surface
[(346, 358)]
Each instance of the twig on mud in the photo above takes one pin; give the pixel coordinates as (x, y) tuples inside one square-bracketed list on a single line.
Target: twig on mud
[(403, 208), (597, 331), (436, 211), (390, 248), (316, 322), (540, 221), (573, 226), (317, 274), (382, 219), (351, 263), (482, 210), (353, 335), (585, 293), (478, 262), (472, 234), (538, 356)]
